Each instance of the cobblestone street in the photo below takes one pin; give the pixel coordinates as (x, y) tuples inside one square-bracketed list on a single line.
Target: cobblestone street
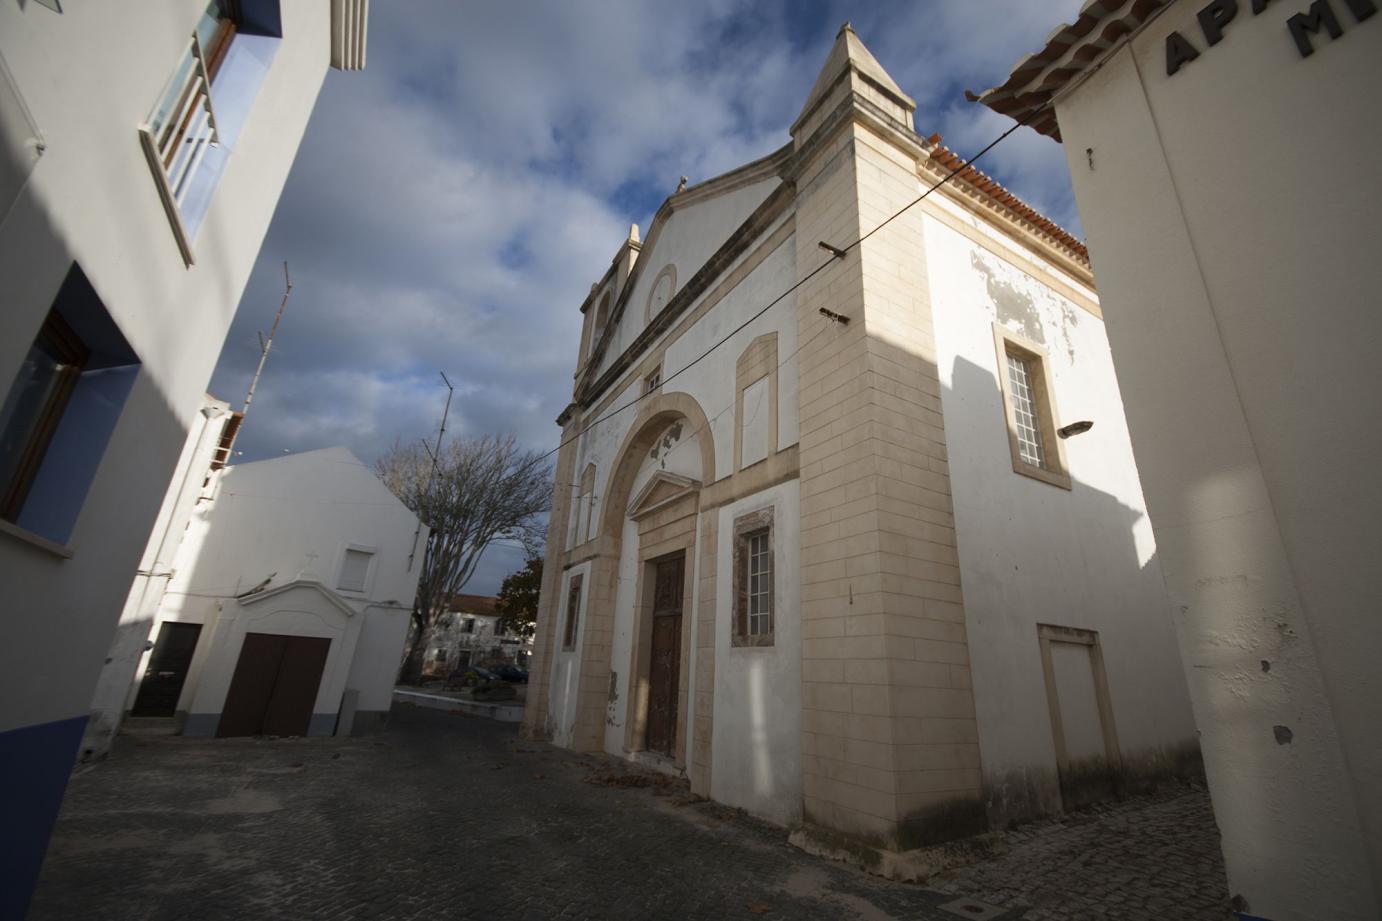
[(455, 817)]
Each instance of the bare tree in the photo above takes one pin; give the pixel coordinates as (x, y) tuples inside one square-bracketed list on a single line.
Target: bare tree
[(474, 492)]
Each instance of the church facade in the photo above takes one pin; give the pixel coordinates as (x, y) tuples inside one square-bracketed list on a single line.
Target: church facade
[(833, 535)]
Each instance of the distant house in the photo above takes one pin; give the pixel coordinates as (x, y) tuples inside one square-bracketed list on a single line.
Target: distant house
[(287, 604), (470, 634)]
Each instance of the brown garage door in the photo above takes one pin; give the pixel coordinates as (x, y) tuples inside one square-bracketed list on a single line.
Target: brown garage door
[(274, 686)]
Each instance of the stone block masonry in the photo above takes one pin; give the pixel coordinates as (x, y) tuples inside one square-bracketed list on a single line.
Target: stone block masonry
[(889, 738)]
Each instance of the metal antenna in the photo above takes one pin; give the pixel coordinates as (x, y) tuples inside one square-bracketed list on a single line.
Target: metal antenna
[(435, 455), (223, 451), (266, 344)]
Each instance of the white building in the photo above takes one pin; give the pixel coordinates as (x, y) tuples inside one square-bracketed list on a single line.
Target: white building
[(470, 633), (207, 449), (842, 569), (1224, 158), (288, 604), (126, 237)]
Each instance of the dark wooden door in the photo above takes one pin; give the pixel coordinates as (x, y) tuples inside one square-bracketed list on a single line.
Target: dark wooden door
[(274, 686), (167, 671), (664, 669)]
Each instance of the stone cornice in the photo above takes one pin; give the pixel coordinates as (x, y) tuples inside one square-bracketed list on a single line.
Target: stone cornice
[(746, 175), (739, 242)]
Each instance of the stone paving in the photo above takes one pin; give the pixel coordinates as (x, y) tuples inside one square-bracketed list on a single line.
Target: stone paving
[(450, 816)]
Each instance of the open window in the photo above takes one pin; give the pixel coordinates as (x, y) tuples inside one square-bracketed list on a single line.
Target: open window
[(60, 411), (1029, 405), (197, 119)]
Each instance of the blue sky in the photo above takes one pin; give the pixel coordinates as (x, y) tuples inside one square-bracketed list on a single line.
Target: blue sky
[(451, 205)]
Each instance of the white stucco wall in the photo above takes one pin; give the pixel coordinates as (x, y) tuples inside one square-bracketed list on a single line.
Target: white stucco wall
[(292, 518), (566, 663), (711, 383), (1241, 301), (89, 77), (686, 240), (1031, 552), (116, 685), (757, 725)]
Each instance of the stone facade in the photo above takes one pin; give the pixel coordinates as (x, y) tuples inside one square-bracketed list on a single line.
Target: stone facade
[(814, 384)]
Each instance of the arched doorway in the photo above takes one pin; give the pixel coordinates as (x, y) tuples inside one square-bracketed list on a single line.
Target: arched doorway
[(650, 519)]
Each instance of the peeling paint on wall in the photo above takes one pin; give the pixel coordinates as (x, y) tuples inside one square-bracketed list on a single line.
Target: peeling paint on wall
[(1026, 306), (667, 441)]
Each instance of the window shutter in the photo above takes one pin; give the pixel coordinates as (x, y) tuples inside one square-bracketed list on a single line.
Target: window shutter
[(354, 570)]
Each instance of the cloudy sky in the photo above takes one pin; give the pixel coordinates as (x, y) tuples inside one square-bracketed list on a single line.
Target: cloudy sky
[(451, 204)]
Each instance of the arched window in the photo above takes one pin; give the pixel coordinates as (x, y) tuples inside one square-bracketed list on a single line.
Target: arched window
[(601, 319), (586, 524), (664, 286)]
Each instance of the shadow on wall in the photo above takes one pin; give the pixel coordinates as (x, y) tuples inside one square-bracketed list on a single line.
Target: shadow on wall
[(1108, 719), (62, 611)]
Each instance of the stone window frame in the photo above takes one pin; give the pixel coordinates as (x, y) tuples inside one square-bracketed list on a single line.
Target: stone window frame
[(653, 379), (1052, 633), (571, 630), (602, 318), (367, 581), (1057, 470), (669, 271), (747, 526), (585, 508), (757, 361)]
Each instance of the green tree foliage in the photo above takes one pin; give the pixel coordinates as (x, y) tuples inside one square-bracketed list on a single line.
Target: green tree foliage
[(517, 598)]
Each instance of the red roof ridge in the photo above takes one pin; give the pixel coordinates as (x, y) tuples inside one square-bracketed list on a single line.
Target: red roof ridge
[(995, 190)]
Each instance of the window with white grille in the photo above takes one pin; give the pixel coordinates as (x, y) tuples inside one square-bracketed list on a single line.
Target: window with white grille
[(354, 570), (760, 584), (1025, 413), (1029, 405), (753, 579)]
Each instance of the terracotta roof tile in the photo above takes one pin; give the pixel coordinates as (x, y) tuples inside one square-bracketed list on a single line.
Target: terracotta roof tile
[(989, 187), (1069, 51), (474, 604)]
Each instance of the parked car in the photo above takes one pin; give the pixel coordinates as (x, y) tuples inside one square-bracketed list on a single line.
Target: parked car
[(512, 673), (469, 676)]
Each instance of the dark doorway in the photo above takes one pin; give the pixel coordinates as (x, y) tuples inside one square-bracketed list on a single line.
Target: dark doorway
[(167, 671), (274, 686), (664, 669)]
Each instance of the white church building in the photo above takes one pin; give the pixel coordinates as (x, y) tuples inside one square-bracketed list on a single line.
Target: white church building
[(854, 556)]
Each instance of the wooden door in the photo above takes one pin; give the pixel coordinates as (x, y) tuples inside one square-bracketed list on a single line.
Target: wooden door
[(167, 671), (274, 686), (664, 669)]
